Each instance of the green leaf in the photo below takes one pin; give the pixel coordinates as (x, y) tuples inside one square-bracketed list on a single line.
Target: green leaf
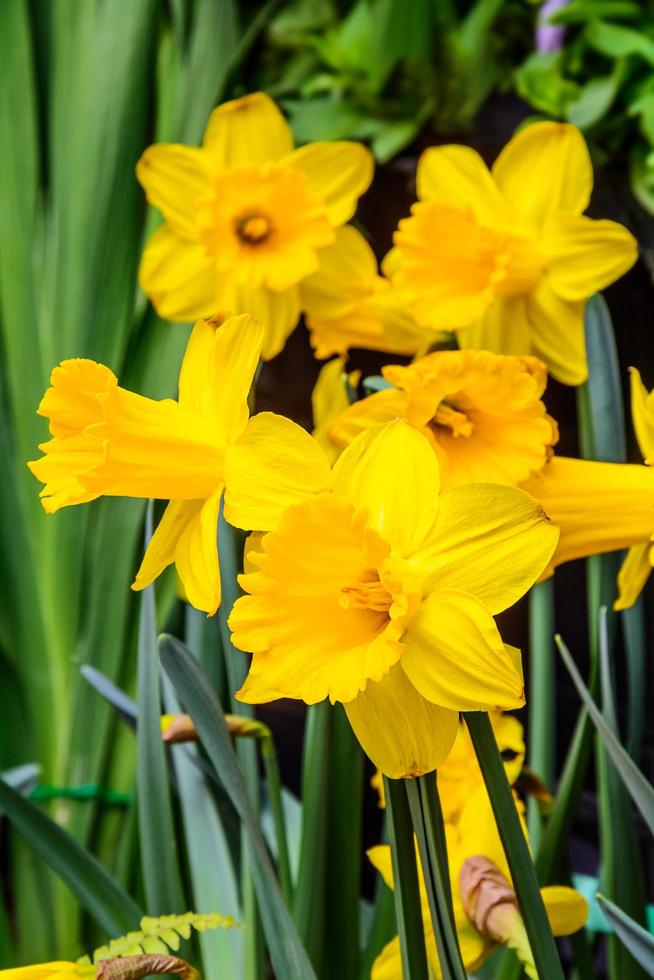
[(640, 790), (515, 845), (155, 820), (406, 890), (194, 691), (112, 908), (542, 696), (638, 941), (540, 81), (595, 99), (616, 41), (580, 11)]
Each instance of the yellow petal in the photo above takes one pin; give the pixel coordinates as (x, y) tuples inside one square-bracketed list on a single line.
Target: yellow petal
[(196, 557), (392, 472), (279, 312), (174, 177), (503, 329), (178, 277), (566, 909), (328, 399), (557, 333), (458, 175), (347, 270), (247, 131), (273, 464), (633, 574), (381, 859), (377, 409), (388, 965), (455, 656), (160, 552), (546, 167), (218, 369), (489, 540), (642, 414), (400, 731), (255, 690), (584, 256), (46, 971), (337, 174)]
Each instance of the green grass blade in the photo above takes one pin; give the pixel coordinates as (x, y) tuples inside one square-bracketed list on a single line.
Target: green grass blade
[(637, 940), (542, 696), (408, 910), (523, 873), (111, 907), (159, 866), (640, 790), (195, 693)]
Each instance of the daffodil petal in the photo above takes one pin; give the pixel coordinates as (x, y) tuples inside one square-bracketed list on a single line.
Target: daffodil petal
[(584, 256), (455, 656), (377, 409), (273, 464), (381, 860), (642, 414), (490, 540), (337, 174), (218, 368), (392, 471), (503, 329), (196, 557), (566, 909), (557, 333), (247, 131), (546, 167), (178, 277), (388, 965), (160, 552), (402, 732), (458, 175), (346, 268), (633, 574), (173, 177), (279, 312), (255, 690)]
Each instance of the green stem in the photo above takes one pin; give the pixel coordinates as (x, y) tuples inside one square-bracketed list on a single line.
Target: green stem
[(542, 701), (523, 872), (427, 818), (405, 881), (274, 787)]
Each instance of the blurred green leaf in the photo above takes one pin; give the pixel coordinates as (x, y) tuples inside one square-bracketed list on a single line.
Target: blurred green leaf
[(616, 41), (595, 99), (540, 81), (638, 941)]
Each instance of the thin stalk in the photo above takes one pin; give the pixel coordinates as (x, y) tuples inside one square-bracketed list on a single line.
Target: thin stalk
[(523, 872), (274, 787), (542, 701), (405, 882), (382, 928), (427, 818)]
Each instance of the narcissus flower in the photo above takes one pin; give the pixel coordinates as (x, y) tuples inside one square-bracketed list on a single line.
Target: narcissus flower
[(381, 595), (110, 441), (328, 399), (486, 913), (459, 775), (482, 413), (348, 304), (505, 257), (246, 216)]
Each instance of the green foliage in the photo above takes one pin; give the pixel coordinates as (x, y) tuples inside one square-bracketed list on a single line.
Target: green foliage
[(160, 935)]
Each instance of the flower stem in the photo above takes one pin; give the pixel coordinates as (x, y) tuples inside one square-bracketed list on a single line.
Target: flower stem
[(427, 817), (542, 703), (274, 787), (405, 877), (522, 869)]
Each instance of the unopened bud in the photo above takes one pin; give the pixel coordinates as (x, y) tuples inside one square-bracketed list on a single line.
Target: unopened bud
[(488, 899), (180, 728), (138, 967)]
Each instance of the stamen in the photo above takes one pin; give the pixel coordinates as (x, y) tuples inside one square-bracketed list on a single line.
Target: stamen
[(366, 595), (253, 228), (451, 418)]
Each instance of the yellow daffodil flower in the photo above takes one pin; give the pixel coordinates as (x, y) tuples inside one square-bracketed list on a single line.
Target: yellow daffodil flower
[(348, 304), (481, 883), (381, 595), (246, 216), (482, 413), (459, 775), (49, 971), (110, 441), (328, 399), (505, 257)]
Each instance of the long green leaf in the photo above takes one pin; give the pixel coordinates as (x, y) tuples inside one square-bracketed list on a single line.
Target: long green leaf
[(163, 891), (640, 790), (638, 941), (194, 691), (111, 907)]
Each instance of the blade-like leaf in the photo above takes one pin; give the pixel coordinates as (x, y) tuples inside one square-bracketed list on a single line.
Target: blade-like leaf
[(116, 697), (641, 791), (194, 691), (638, 941), (112, 908)]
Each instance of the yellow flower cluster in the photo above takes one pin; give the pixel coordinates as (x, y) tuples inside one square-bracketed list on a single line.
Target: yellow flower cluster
[(374, 581)]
